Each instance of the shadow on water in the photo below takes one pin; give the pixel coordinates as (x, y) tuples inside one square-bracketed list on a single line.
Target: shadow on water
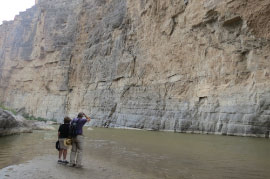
[(162, 154)]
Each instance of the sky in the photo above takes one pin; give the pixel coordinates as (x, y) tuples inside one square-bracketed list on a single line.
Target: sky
[(10, 8)]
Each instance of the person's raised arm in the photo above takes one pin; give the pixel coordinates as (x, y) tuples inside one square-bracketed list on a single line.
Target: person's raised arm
[(88, 118)]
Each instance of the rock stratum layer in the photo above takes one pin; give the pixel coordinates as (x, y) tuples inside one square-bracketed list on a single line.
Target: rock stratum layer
[(150, 64)]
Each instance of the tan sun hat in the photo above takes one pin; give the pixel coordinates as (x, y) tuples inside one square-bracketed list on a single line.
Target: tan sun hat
[(67, 142)]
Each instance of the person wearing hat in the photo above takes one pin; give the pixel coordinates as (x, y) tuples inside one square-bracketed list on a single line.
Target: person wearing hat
[(63, 133), (77, 141)]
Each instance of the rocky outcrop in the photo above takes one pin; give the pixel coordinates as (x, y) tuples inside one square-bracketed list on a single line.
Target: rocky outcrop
[(10, 124), (184, 66), (15, 124)]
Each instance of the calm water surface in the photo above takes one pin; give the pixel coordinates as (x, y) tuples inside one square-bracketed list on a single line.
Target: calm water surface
[(162, 154)]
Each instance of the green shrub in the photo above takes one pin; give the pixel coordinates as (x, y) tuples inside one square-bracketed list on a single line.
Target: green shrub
[(54, 120), (8, 109), (26, 115)]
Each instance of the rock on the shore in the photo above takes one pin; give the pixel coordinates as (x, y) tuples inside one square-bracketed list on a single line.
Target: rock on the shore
[(15, 124), (11, 124)]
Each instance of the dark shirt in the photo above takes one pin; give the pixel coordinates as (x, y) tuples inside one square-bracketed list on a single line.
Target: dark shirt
[(63, 129), (80, 124)]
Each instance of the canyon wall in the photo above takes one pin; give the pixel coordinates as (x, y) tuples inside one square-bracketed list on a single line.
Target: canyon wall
[(199, 67)]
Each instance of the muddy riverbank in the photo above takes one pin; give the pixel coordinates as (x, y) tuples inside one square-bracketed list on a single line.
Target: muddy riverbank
[(45, 167)]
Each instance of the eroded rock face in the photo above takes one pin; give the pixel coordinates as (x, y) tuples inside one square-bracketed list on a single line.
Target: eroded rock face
[(201, 66)]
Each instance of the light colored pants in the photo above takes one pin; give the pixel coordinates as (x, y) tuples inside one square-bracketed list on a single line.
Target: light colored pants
[(76, 151)]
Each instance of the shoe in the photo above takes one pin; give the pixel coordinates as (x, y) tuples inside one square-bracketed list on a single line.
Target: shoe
[(59, 161), (72, 165), (78, 166), (65, 162)]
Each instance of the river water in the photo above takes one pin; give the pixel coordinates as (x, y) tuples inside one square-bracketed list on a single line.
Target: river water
[(159, 154)]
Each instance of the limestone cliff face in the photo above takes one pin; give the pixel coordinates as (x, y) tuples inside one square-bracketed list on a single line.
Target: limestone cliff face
[(155, 64)]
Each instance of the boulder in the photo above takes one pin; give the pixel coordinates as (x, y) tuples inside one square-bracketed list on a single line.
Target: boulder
[(11, 124), (14, 124)]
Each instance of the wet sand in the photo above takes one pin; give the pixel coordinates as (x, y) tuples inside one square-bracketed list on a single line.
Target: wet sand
[(46, 167)]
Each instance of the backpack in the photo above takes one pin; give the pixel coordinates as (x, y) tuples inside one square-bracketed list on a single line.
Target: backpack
[(57, 145), (73, 128)]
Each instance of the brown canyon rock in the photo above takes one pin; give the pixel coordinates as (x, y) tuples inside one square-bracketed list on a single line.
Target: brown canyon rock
[(154, 64)]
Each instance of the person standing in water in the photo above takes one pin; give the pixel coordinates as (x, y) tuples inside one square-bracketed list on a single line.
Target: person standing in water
[(63, 133), (77, 141)]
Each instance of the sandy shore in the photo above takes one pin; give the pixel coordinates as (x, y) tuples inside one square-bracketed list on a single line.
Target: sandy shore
[(46, 167)]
